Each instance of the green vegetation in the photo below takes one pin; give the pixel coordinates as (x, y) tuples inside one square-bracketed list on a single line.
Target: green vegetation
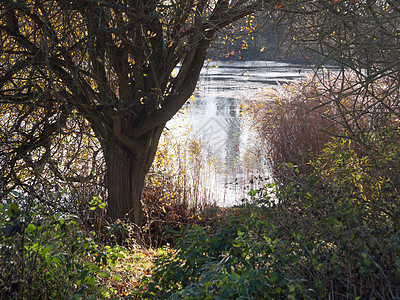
[(328, 226), (83, 107), (49, 256), (287, 251)]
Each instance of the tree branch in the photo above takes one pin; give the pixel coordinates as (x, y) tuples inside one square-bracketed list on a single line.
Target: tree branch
[(176, 100), (132, 144)]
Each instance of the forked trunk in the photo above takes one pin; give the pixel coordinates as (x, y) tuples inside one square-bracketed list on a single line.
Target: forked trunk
[(126, 172)]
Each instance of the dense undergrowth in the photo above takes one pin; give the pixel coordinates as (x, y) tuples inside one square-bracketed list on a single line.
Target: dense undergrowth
[(326, 238), (55, 256), (327, 227), (48, 256)]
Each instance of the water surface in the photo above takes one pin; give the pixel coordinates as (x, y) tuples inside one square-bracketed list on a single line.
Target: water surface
[(214, 114)]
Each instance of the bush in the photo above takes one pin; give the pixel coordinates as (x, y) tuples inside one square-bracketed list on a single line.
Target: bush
[(46, 256), (244, 259), (329, 238)]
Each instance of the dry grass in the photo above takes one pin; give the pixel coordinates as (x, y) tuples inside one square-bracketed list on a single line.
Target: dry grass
[(294, 122), (292, 125)]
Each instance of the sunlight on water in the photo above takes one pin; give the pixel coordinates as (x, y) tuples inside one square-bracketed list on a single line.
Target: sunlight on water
[(234, 160)]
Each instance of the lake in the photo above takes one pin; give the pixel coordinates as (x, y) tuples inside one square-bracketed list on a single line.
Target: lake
[(232, 160)]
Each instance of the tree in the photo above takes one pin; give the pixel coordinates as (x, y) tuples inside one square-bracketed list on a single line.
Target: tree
[(362, 39), (108, 64)]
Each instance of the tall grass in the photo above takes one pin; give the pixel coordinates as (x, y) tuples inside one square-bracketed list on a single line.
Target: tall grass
[(292, 124), (186, 179), (176, 189)]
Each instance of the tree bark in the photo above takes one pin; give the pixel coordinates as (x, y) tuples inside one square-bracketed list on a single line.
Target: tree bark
[(126, 172)]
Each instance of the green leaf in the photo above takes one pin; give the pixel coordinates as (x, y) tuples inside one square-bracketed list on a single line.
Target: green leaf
[(30, 228), (103, 274), (15, 194), (83, 275), (252, 193), (13, 209), (234, 276), (276, 277), (90, 281), (56, 260)]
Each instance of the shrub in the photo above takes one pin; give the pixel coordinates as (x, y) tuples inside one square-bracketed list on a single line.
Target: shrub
[(297, 120), (243, 259), (330, 238), (46, 256), (347, 211)]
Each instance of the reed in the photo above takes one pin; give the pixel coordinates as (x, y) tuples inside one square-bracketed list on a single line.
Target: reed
[(291, 125)]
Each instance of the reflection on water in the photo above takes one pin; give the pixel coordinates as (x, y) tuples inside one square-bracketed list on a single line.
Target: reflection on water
[(215, 116)]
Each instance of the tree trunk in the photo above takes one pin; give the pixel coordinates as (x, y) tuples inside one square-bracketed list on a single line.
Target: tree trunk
[(126, 172)]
